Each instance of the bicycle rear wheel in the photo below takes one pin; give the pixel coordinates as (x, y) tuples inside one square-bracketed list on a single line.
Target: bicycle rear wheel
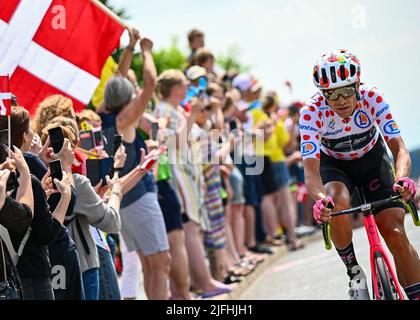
[(384, 280)]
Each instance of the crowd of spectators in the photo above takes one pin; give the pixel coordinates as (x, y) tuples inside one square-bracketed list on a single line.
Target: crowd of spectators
[(228, 190)]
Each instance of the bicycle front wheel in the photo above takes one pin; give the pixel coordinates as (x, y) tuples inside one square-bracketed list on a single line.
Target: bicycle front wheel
[(383, 279)]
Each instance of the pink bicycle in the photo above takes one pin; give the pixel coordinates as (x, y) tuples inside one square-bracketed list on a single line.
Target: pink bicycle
[(384, 280)]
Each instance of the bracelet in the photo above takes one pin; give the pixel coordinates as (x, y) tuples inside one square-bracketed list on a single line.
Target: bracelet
[(130, 48), (118, 169), (117, 193)]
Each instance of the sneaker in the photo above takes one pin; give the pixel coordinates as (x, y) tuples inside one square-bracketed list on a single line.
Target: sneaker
[(358, 285), (303, 230), (259, 248)]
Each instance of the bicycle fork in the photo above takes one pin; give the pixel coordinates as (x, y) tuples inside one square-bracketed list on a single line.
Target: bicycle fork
[(376, 247)]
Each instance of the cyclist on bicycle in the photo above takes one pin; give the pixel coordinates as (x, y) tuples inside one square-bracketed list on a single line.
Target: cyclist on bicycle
[(343, 149)]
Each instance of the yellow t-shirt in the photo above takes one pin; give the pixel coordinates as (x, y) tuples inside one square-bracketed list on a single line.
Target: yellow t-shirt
[(273, 147)]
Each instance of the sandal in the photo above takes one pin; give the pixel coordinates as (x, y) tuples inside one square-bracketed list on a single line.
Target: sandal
[(274, 242), (218, 291), (254, 257), (239, 271), (231, 278), (295, 247)]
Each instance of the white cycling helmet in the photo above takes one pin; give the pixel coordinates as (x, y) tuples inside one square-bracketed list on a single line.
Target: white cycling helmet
[(336, 69)]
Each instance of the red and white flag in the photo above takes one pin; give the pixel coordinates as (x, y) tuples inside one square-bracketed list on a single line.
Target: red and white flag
[(55, 47), (5, 96)]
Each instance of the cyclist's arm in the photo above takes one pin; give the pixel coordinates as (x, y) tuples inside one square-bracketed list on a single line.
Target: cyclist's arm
[(391, 133), (401, 157), (310, 149), (313, 179)]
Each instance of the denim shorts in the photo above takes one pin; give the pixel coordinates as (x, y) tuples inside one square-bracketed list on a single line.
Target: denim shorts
[(108, 280), (281, 174)]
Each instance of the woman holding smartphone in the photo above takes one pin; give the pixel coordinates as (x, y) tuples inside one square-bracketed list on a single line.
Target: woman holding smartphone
[(34, 265)]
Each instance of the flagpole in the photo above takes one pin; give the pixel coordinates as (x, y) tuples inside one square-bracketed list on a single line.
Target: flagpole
[(109, 12), (9, 135)]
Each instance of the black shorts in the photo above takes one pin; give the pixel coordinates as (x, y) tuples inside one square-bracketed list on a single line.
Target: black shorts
[(268, 178), (371, 174), (170, 206)]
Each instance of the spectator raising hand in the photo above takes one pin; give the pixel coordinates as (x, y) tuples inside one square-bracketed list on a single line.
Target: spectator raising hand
[(24, 192), (66, 155)]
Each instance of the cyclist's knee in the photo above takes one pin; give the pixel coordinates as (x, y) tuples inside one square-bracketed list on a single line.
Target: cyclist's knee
[(340, 194), (396, 239)]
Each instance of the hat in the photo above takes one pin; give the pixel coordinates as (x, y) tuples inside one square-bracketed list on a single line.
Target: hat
[(195, 72), (244, 82)]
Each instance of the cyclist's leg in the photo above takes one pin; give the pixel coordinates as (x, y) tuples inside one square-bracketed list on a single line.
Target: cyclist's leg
[(341, 231), (377, 185), (339, 186), (391, 226)]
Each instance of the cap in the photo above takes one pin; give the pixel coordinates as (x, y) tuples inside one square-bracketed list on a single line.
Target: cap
[(195, 72), (244, 82)]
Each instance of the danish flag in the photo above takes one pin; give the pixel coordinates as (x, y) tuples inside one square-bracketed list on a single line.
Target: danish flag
[(5, 96), (44, 57)]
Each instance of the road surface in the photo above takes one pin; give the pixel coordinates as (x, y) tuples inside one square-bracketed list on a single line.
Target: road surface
[(315, 273)]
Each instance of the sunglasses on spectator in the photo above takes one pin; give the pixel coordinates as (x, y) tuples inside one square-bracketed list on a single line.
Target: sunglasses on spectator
[(207, 108), (345, 92)]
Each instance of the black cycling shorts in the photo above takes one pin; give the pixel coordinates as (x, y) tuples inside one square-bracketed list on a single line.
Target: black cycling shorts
[(371, 174)]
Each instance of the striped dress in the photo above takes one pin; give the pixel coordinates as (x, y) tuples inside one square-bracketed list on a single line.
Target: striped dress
[(214, 236), (185, 163)]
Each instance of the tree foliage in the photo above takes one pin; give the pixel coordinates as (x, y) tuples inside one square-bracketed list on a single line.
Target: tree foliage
[(173, 57), (121, 12), (164, 58), (230, 61)]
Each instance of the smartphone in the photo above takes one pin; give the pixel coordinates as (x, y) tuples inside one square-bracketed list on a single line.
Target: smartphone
[(12, 181), (98, 137), (56, 171), (233, 125), (56, 139), (155, 128), (116, 143), (154, 157), (97, 169), (4, 140), (87, 140)]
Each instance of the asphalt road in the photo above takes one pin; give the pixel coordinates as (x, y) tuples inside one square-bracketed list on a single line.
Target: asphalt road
[(315, 273)]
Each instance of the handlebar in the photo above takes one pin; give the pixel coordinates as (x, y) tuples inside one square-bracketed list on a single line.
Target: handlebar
[(367, 206)]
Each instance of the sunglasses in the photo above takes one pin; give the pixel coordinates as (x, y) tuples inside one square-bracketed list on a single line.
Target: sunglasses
[(345, 92), (206, 108)]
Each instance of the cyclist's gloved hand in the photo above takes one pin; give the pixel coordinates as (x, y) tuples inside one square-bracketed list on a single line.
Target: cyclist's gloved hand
[(406, 187), (321, 211)]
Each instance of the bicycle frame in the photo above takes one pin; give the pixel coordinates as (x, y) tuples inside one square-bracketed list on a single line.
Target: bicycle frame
[(376, 246), (372, 232)]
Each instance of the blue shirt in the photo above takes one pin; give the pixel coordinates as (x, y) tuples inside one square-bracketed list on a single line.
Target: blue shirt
[(147, 184)]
